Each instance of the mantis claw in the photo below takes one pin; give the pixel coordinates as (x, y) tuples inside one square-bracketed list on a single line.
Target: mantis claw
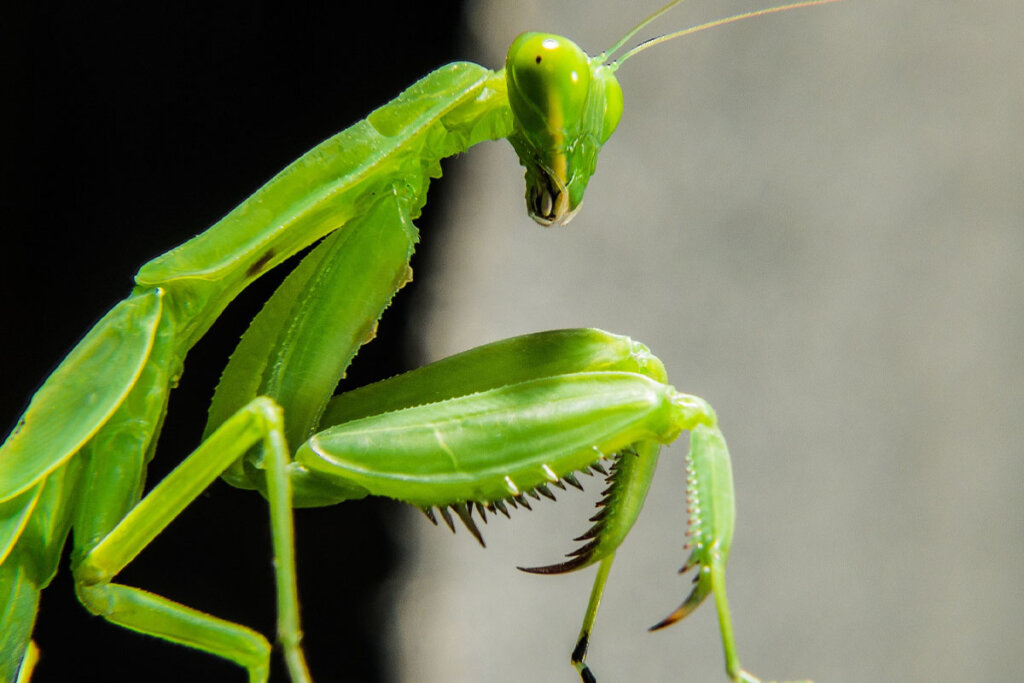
[(437, 448), (464, 512), (500, 505), (429, 512), (571, 480), (546, 492), (447, 517)]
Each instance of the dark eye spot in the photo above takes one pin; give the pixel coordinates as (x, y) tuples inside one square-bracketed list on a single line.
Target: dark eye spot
[(537, 60)]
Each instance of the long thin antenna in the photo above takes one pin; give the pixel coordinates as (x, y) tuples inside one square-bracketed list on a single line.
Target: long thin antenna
[(711, 24), (633, 31)]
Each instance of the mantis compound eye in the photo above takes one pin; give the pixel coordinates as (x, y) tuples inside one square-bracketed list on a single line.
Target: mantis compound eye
[(612, 103), (548, 77)]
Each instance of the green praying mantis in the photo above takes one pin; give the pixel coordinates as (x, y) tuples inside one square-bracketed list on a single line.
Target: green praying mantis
[(469, 435)]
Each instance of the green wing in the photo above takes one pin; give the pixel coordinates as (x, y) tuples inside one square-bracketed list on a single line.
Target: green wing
[(81, 394)]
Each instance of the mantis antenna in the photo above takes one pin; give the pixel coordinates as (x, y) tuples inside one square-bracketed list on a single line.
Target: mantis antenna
[(693, 29)]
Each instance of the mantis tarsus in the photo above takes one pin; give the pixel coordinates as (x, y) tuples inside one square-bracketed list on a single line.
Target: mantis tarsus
[(166, 316)]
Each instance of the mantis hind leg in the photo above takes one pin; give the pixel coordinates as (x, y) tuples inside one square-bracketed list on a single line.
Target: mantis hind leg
[(258, 421)]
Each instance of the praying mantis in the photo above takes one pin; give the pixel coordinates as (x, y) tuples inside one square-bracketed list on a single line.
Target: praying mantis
[(478, 395)]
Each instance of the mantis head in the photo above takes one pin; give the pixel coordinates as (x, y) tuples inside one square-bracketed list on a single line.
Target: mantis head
[(566, 104)]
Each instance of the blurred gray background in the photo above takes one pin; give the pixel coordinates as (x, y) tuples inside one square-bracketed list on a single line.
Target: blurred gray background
[(815, 220)]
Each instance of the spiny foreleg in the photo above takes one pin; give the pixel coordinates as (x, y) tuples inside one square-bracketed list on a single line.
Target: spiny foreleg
[(490, 428)]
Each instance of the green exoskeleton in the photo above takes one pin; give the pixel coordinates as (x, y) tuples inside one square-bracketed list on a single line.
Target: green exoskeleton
[(471, 434)]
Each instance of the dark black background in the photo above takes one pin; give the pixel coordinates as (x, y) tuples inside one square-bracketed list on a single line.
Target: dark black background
[(130, 129)]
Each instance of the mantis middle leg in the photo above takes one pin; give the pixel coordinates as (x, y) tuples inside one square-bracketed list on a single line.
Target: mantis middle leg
[(258, 422)]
